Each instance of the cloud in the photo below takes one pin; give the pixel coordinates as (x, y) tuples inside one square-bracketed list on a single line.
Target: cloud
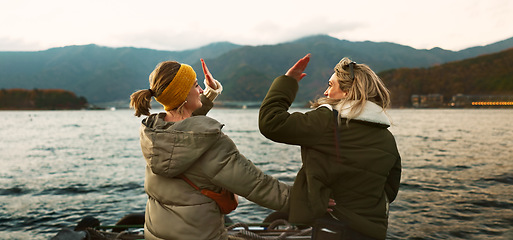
[(271, 32), (171, 25), (20, 44)]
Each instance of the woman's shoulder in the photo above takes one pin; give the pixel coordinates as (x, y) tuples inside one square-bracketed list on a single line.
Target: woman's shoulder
[(324, 111), (199, 123), (325, 106)]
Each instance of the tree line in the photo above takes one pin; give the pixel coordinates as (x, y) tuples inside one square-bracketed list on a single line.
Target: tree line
[(40, 99), (490, 74)]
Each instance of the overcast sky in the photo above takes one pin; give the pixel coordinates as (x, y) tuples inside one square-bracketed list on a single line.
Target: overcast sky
[(31, 25)]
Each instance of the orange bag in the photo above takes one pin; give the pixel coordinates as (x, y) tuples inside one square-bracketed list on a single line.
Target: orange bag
[(226, 200)]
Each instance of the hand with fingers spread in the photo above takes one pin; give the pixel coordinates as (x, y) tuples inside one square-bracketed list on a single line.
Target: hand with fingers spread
[(297, 71)]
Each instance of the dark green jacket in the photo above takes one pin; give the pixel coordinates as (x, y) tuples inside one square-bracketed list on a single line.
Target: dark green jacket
[(361, 170)]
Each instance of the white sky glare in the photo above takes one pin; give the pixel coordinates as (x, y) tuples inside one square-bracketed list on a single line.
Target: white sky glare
[(33, 25)]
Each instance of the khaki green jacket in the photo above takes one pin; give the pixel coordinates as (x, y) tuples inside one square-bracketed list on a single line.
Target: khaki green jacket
[(199, 149), (361, 170)]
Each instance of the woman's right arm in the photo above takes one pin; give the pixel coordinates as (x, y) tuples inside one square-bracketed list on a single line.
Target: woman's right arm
[(277, 124), (229, 169)]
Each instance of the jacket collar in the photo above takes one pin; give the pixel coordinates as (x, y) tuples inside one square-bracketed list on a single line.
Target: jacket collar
[(371, 112)]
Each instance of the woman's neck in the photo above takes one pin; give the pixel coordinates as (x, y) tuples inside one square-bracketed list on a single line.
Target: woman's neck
[(175, 116)]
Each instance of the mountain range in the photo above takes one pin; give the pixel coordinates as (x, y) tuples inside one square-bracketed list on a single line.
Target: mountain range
[(103, 74)]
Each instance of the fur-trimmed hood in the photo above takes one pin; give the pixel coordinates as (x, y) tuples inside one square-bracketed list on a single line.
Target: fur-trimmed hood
[(371, 112)]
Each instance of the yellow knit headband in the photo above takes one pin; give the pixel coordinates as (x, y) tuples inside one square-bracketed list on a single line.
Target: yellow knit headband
[(176, 92)]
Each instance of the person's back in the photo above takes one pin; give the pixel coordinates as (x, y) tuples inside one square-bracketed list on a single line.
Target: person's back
[(353, 172), (347, 152), (187, 155), (197, 148)]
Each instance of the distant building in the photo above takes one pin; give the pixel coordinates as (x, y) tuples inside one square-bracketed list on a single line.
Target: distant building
[(465, 101), (461, 101), (427, 101)]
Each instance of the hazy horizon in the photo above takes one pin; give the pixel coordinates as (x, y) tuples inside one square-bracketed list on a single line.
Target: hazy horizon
[(176, 26)]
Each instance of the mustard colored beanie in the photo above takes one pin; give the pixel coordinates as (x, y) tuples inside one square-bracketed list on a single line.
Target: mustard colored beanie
[(176, 92)]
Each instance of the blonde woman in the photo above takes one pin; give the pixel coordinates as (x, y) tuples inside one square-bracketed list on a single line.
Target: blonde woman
[(193, 169), (348, 154)]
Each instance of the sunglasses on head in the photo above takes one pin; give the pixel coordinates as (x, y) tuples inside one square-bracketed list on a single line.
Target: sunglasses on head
[(351, 70)]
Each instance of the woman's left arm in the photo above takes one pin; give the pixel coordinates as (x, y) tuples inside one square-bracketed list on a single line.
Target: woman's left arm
[(213, 88), (394, 180)]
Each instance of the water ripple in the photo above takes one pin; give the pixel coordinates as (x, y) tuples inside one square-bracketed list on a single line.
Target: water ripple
[(62, 166)]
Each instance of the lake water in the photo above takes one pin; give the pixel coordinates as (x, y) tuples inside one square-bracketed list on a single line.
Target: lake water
[(59, 166)]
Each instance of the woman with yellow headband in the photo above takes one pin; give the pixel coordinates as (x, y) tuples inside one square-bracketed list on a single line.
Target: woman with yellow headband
[(193, 170)]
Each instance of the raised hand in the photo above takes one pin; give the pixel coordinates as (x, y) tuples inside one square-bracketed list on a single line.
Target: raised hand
[(297, 71), (208, 76)]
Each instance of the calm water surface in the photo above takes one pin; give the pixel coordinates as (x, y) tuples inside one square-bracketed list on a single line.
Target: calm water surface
[(59, 166)]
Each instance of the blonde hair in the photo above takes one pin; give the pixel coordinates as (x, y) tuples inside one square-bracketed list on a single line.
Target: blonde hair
[(364, 86), (159, 79)]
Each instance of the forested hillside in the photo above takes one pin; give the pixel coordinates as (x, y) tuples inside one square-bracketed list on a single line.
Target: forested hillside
[(103, 74), (99, 73), (490, 74)]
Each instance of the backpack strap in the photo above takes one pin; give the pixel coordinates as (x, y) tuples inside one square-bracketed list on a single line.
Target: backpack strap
[(189, 182), (225, 200)]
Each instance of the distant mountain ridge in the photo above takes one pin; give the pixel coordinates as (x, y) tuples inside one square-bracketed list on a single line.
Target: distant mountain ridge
[(98, 73), (103, 74)]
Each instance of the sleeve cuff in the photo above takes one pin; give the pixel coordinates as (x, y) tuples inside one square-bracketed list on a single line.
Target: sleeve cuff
[(211, 93)]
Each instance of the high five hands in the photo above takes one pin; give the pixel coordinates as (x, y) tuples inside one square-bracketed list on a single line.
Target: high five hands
[(297, 71)]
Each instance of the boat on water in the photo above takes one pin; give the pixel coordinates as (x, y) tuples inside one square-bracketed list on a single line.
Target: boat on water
[(131, 227)]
